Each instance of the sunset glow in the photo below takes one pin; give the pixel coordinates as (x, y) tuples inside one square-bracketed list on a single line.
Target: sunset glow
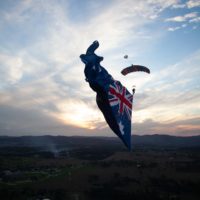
[(80, 114)]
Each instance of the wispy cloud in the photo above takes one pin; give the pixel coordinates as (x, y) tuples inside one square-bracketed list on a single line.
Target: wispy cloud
[(193, 3), (175, 6), (172, 98), (179, 128), (188, 4), (11, 69), (188, 18), (183, 18), (174, 28)]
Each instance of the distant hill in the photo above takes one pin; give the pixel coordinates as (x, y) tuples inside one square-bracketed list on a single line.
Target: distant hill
[(166, 141), (79, 141)]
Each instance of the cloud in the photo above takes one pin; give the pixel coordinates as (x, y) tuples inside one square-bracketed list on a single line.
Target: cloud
[(189, 4), (193, 3), (179, 128), (175, 6), (173, 28), (11, 68), (172, 94), (36, 122), (177, 27), (183, 18), (196, 20), (18, 12), (186, 19), (29, 119)]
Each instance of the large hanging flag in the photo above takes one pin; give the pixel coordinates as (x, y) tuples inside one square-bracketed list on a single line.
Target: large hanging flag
[(113, 99)]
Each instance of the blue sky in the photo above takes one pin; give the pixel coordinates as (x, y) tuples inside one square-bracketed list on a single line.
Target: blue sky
[(43, 88)]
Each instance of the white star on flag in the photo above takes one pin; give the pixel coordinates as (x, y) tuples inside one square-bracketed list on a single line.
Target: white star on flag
[(121, 127)]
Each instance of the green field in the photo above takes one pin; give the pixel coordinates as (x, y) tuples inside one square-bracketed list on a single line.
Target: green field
[(89, 173)]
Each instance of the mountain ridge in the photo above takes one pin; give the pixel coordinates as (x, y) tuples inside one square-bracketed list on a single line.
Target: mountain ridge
[(143, 140)]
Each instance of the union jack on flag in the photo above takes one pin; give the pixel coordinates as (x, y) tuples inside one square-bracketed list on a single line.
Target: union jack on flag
[(120, 98)]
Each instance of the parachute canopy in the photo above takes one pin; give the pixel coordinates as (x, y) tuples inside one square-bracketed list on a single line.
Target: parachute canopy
[(135, 68)]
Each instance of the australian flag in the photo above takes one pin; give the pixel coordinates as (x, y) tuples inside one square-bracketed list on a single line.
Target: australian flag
[(112, 98)]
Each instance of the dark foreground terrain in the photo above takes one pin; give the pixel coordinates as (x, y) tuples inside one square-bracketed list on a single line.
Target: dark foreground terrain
[(76, 168)]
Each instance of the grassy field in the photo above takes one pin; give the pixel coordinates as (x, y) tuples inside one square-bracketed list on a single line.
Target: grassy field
[(100, 174)]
